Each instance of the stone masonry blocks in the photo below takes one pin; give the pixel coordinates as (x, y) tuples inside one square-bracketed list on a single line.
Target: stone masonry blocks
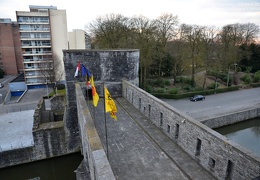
[(213, 151)]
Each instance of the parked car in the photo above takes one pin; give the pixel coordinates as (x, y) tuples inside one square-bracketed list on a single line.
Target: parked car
[(197, 98), (1, 85)]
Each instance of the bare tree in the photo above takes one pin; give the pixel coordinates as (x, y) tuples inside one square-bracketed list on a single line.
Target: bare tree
[(109, 31), (166, 25), (143, 31), (52, 72), (209, 40), (250, 33), (192, 35)]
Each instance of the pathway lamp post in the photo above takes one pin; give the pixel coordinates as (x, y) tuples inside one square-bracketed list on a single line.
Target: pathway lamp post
[(229, 71)]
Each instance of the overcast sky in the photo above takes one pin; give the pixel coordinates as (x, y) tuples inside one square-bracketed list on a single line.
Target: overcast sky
[(201, 12)]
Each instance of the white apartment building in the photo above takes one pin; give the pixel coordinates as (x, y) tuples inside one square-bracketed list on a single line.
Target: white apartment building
[(79, 39), (43, 35)]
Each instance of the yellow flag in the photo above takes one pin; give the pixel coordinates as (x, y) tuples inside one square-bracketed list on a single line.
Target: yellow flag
[(110, 105), (94, 92)]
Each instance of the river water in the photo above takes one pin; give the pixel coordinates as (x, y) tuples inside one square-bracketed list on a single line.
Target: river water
[(59, 168), (246, 133)]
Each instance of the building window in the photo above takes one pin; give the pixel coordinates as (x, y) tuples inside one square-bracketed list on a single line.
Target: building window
[(149, 110), (140, 103), (230, 168), (177, 131), (161, 119), (211, 162), (168, 128), (198, 147)]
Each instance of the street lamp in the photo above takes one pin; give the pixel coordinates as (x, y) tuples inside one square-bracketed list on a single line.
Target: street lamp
[(229, 70)]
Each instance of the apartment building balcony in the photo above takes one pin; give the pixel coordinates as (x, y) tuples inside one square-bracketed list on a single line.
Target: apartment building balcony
[(34, 38), (35, 61), (35, 30), (33, 53), (36, 68), (36, 46), (36, 75)]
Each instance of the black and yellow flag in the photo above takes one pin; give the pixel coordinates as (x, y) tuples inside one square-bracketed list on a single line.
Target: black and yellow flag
[(110, 105)]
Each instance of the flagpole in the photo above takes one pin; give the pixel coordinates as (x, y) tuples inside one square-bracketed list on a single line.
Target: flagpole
[(105, 117)]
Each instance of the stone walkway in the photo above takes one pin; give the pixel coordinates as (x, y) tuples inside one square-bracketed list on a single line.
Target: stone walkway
[(139, 150)]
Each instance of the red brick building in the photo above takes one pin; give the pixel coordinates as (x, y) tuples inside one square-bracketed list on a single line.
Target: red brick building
[(11, 60)]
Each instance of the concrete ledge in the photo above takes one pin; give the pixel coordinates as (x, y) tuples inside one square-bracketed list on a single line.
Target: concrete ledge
[(231, 118), (92, 148)]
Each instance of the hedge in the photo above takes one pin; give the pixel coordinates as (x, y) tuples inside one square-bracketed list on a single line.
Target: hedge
[(255, 84), (190, 94)]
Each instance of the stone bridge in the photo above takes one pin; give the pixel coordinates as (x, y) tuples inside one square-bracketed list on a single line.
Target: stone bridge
[(151, 139)]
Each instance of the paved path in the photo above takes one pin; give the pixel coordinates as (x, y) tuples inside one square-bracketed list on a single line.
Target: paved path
[(218, 104), (139, 150)]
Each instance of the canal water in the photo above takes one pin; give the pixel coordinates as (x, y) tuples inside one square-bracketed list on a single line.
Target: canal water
[(59, 168), (246, 133)]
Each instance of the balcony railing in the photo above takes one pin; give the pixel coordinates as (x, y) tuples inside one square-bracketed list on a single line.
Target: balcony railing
[(39, 44), (37, 52), (34, 29), (32, 21), (26, 61), (33, 37)]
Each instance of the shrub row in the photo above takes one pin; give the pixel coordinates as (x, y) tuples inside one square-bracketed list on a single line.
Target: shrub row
[(255, 84), (185, 95)]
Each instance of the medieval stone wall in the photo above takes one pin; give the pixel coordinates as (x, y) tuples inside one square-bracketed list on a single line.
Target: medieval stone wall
[(220, 156), (107, 66), (94, 154)]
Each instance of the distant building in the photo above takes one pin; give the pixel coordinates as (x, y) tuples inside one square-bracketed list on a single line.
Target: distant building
[(10, 50), (43, 35), (79, 39)]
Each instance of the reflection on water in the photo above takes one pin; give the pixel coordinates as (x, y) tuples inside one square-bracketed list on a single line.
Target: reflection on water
[(245, 133), (50, 169)]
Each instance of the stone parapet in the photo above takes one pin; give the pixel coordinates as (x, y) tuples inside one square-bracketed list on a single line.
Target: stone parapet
[(216, 153), (93, 151)]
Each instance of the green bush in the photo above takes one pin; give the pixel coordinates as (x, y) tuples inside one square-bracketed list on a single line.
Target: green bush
[(159, 83), (246, 78), (186, 80), (239, 69), (181, 79), (161, 90), (198, 89), (257, 76), (188, 88), (177, 79), (220, 75), (173, 91), (248, 69), (213, 85), (149, 89), (167, 82), (189, 94)]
